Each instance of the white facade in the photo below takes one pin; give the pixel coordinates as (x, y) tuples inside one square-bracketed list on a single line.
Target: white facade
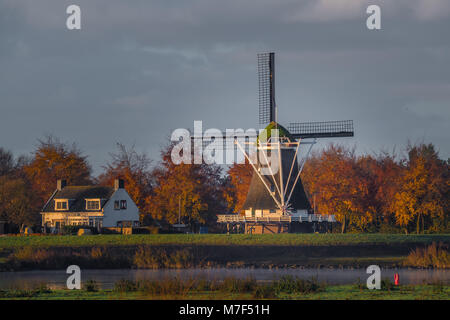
[(93, 206), (114, 217)]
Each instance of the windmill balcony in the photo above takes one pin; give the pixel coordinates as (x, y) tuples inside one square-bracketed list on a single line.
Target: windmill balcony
[(227, 218)]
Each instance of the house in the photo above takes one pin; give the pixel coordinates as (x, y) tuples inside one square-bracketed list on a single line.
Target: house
[(95, 206)]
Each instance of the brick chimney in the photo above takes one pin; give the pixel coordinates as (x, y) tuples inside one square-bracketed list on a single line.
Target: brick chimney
[(60, 184), (119, 184)]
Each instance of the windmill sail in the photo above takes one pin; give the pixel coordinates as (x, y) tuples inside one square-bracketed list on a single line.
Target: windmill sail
[(266, 82), (326, 129)]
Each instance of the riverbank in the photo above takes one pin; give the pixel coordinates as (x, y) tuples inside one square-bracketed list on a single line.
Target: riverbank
[(210, 251), (340, 292), (220, 240)]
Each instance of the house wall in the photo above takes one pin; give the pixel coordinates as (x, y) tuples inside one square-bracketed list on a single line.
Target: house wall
[(111, 217), (266, 228), (276, 213), (70, 218)]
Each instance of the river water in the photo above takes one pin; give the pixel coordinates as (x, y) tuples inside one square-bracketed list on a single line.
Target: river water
[(56, 279)]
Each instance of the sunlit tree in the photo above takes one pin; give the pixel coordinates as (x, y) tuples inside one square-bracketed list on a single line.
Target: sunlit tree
[(239, 177), (53, 160), (193, 191), (135, 169), (423, 189)]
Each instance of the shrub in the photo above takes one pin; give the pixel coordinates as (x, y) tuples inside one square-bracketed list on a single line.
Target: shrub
[(124, 285), (434, 255), (148, 258), (438, 286), (360, 285), (17, 293), (387, 284), (264, 292), (289, 284), (28, 256), (91, 286), (42, 288), (205, 285), (234, 285), (173, 286), (98, 252), (154, 258)]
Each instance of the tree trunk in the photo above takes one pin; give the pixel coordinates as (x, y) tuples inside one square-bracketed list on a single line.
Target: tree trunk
[(423, 224), (418, 224), (344, 225)]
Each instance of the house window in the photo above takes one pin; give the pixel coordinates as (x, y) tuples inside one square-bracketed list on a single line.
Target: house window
[(123, 204), (117, 205), (92, 204), (61, 204)]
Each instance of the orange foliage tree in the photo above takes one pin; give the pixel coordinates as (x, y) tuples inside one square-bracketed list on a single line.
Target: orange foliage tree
[(239, 177), (16, 202), (54, 160), (193, 191), (386, 171), (340, 184), (134, 169), (423, 193)]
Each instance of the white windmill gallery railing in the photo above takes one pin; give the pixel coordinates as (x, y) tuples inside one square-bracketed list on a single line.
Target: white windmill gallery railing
[(236, 218)]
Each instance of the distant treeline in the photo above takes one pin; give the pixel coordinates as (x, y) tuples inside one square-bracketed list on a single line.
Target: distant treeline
[(367, 193)]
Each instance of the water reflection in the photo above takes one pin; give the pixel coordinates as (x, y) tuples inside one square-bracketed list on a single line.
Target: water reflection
[(106, 278)]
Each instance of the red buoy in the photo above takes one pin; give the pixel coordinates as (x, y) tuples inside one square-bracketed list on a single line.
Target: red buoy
[(396, 279)]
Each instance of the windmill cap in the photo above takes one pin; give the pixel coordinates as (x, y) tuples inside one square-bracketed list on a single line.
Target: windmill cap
[(282, 131)]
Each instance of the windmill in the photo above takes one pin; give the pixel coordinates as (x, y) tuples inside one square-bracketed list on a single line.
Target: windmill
[(285, 184), (277, 197)]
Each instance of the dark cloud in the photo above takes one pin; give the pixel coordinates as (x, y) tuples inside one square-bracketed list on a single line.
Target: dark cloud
[(137, 70)]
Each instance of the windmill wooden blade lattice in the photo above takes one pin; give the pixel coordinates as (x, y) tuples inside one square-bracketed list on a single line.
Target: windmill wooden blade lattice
[(266, 84), (327, 129), (268, 113)]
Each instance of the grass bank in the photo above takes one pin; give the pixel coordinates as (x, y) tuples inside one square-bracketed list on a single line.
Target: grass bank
[(220, 240), (187, 251), (230, 289)]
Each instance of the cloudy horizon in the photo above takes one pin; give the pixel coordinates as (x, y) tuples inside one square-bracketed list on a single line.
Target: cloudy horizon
[(136, 71)]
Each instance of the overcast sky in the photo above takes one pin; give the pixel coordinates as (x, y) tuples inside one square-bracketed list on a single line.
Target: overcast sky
[(139, 69)]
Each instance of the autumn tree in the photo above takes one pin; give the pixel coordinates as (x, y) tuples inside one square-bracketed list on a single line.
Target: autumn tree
[(338, 186), (53, 160), (16, 202), (424, 189), (7, 164), (16, 197), (239, 177), (134, 168), (193, 191), (386, 170)]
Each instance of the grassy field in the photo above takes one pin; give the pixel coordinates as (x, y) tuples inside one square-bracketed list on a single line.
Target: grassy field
[(220, 240), (342, 292)]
